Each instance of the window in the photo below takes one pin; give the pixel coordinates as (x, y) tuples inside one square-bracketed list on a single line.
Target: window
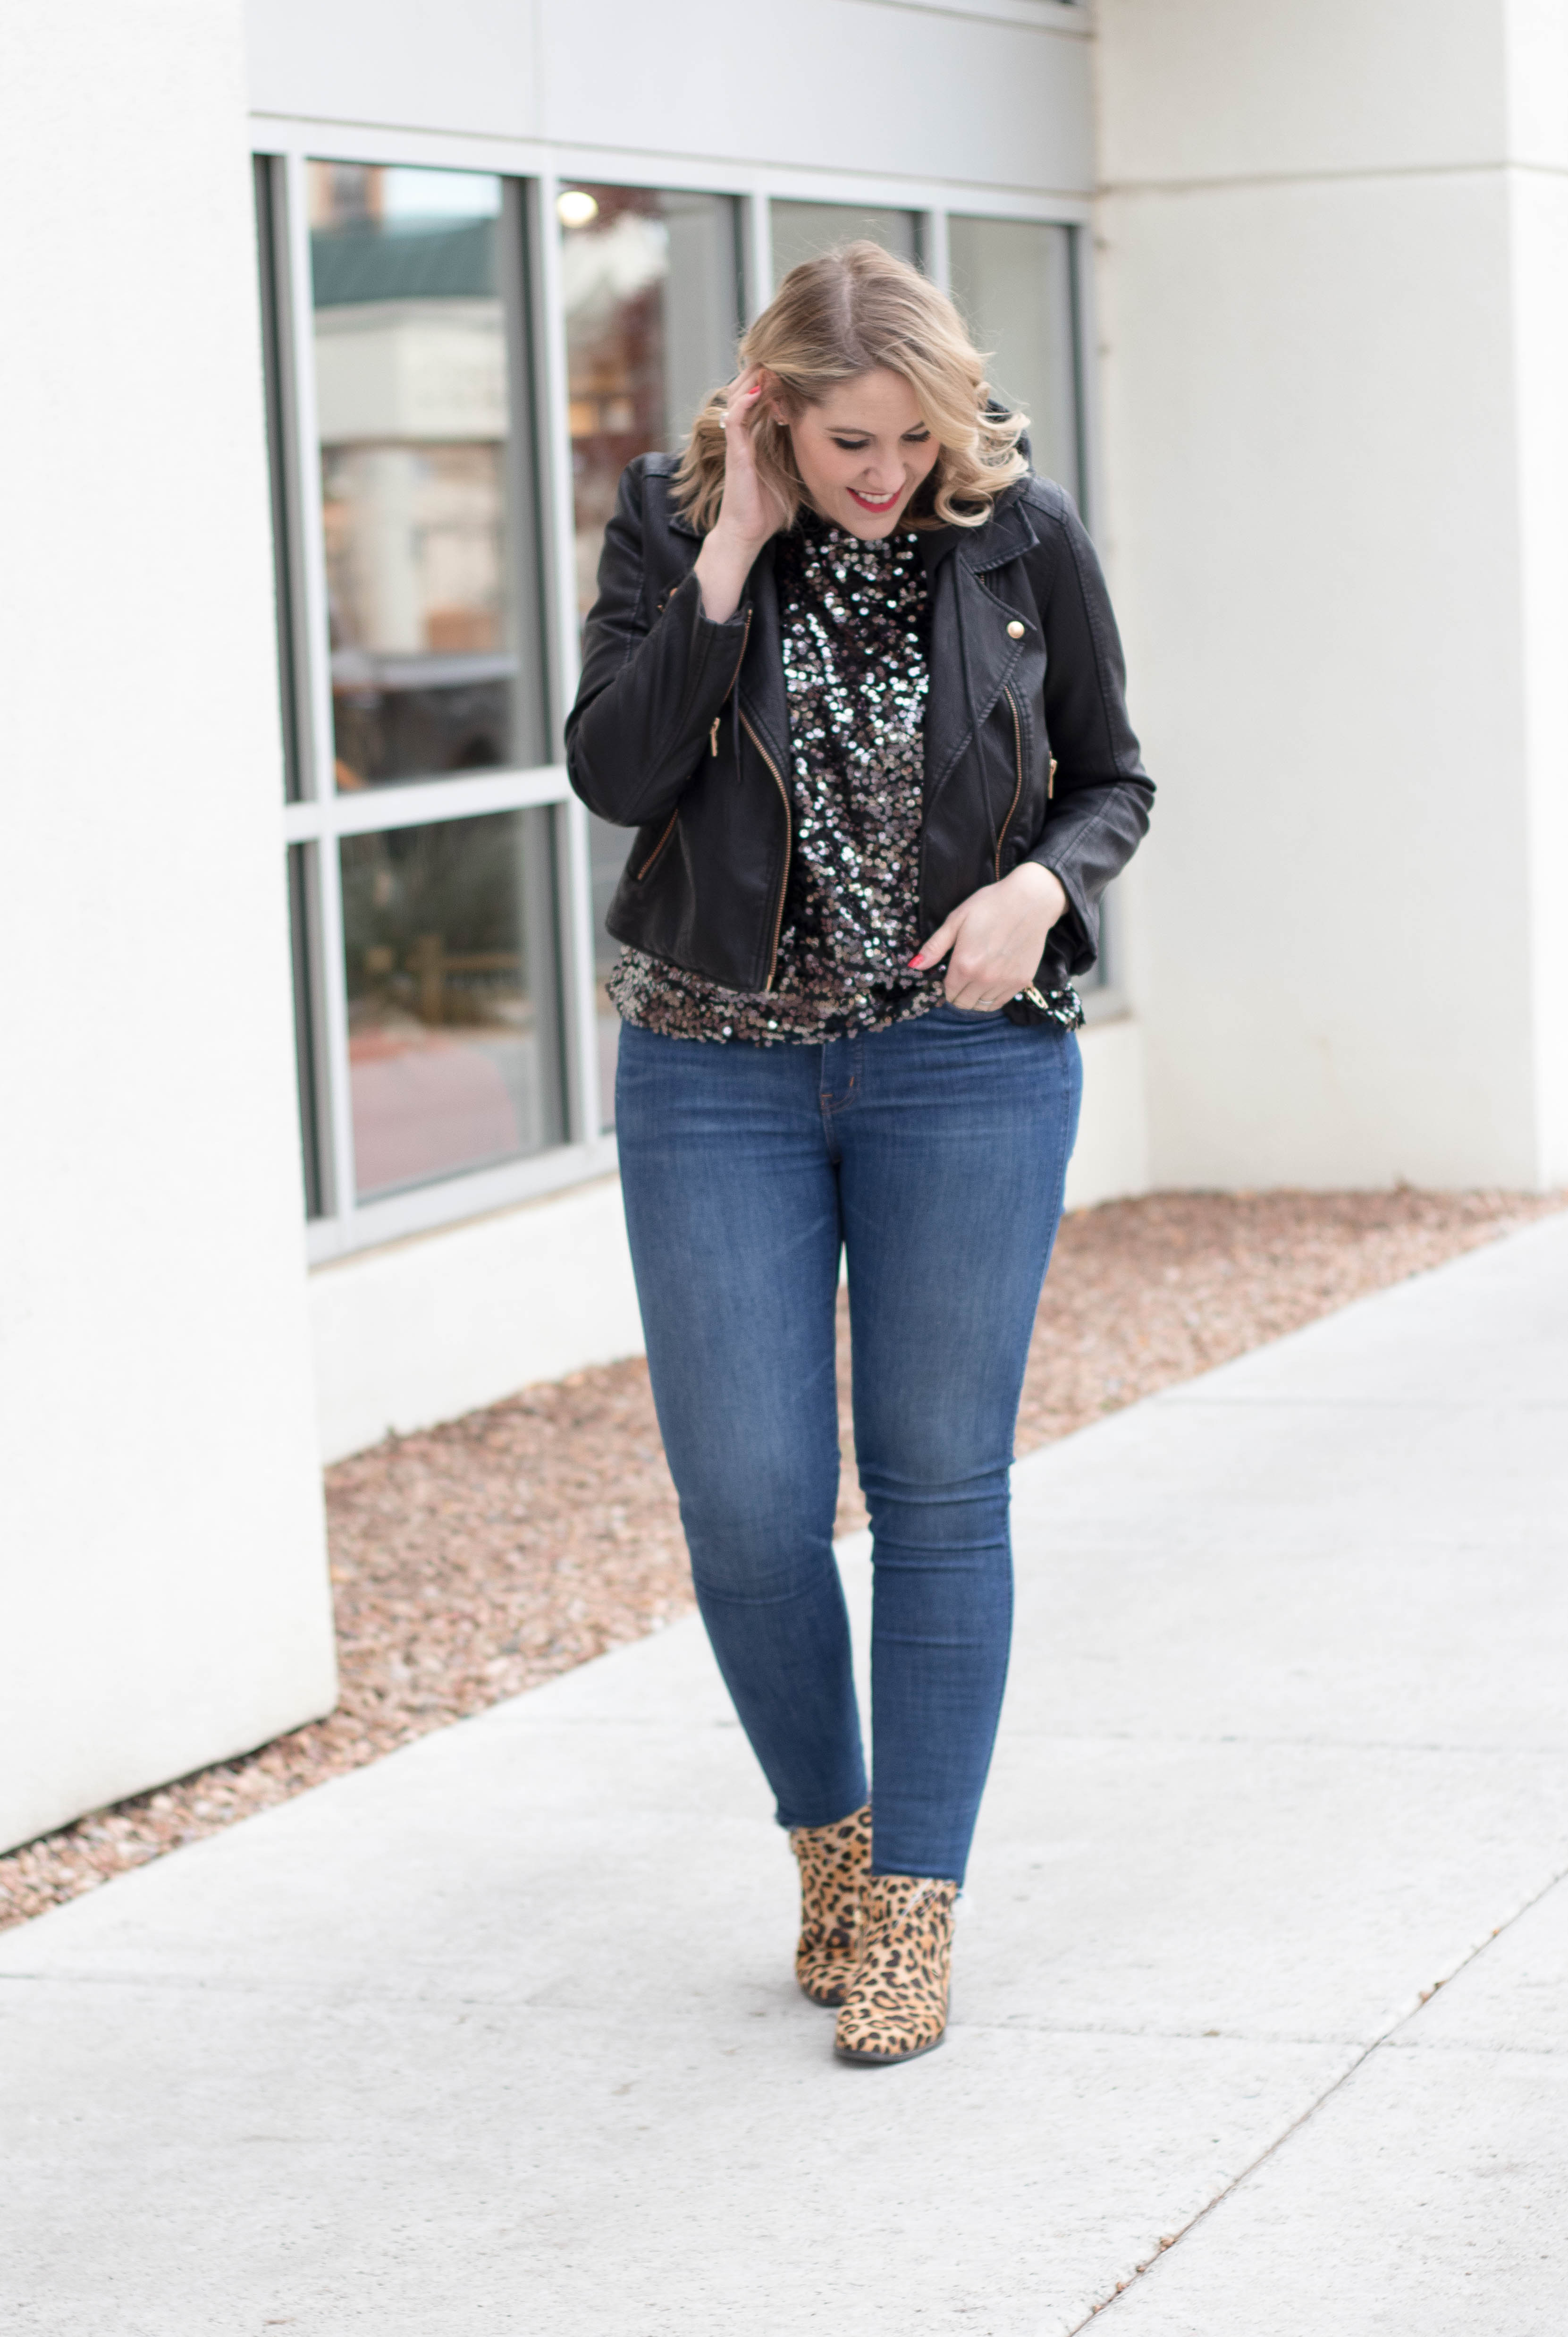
[(651, 286), (420, 388), (449, 963), (1013, 280), (446, 455), (430, 841), (800, 230)]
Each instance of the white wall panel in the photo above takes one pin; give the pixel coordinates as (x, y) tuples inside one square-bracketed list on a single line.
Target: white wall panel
[(460, 65), (832, 84), (1537, 32), (1208, 89), (1311, 458), (1111, 1158), (424, 1330), (847, 85), (163, 1593)]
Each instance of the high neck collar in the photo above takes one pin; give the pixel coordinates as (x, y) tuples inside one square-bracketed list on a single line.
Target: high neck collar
[(814, 529)]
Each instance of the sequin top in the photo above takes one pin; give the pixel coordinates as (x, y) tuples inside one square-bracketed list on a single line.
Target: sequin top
[(854, 621)]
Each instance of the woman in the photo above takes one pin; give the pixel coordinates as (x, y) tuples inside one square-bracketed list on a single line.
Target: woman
[(853, 676)]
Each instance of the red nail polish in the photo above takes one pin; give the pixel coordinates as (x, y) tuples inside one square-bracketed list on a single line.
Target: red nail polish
[(916, 959)]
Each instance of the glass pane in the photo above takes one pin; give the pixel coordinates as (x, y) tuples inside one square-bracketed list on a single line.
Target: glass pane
[(454, 1023), (414, 386), (1013, 279), (652, 288), (651, 282), (800, 230)]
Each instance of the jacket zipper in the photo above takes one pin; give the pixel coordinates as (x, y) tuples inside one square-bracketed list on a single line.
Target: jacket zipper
[(733, 680), (1030, 991), (789, 840), (713, 746), (1018, 782), (658, 847)]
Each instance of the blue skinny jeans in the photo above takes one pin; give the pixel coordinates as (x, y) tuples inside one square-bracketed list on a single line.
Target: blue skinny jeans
[(934, 1156)]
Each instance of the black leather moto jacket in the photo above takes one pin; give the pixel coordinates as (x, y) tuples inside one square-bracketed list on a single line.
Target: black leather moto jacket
[(681, 729)]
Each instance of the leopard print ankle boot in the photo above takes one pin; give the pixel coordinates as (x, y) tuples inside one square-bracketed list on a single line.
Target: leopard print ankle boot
[(833, 1864), (897, 2003)]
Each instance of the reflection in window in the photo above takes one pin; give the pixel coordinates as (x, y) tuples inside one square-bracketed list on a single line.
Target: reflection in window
[(652, 288), (454, 1019), (800, 230), (1013, 279), (415, 396)]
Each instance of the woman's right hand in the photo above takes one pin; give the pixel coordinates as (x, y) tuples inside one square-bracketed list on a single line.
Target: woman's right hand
[(749, 512)]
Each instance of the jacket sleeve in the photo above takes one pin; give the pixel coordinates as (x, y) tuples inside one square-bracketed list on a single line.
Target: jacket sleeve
[(652, 682), (1100, 806)]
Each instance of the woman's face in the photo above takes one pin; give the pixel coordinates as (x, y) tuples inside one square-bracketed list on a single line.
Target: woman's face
[(863, 452)]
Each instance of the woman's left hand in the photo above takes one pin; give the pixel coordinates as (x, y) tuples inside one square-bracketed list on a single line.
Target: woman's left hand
[(995, 940)]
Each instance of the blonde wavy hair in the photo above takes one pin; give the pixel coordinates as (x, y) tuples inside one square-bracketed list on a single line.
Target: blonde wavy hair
[(845, 313)]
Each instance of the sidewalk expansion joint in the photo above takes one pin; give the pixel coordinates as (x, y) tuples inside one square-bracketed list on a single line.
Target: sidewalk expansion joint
[(1174, 2239)]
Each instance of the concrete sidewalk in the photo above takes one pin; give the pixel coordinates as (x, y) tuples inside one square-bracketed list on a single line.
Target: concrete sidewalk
[(499, 2036)]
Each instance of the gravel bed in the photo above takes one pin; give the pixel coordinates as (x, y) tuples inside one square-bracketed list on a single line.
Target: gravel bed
[(478, 1559)]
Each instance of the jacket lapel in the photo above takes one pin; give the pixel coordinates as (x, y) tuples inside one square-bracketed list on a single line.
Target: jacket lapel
[(971, 655)]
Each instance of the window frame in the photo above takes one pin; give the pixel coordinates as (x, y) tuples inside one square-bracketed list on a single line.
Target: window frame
[(316, 818)]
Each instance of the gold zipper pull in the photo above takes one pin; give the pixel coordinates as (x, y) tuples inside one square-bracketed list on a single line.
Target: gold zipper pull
[(712, 739), (1051, 780)]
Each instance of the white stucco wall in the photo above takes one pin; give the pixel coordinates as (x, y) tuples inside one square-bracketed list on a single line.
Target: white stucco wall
[(1334, 294), (832, 84), (423, 1330), (1333, 371), (162, 1588), (1111, 1159)]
